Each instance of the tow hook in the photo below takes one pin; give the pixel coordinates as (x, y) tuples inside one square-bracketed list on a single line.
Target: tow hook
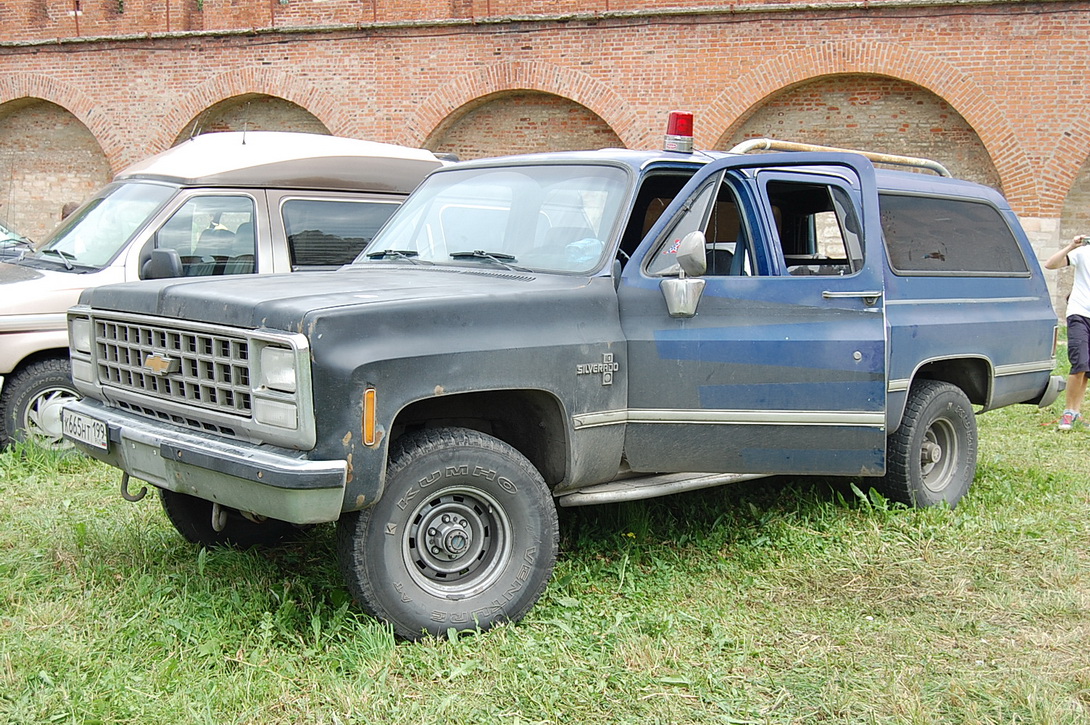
[(219, 518), (134, 497)]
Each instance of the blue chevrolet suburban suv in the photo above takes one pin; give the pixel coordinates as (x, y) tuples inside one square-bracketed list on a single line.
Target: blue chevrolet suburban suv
[(566, 329)]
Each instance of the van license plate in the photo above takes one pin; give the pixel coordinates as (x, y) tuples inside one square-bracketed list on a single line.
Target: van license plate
[(84, 429)]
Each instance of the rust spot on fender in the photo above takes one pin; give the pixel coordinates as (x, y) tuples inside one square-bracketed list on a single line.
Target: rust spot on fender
[(360, 500), (439, 390), (348, 476), (347, 440)]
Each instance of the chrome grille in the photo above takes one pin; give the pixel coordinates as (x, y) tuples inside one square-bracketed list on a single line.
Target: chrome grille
[(210, 371)]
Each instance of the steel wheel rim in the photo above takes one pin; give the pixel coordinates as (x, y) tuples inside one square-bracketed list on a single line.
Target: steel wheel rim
[(938, 455), (42, 418), (457, 542)]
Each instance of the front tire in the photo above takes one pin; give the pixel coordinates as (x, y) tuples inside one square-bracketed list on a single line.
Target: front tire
[(192, 517), (465, 536), (931, 459), (32, 400)]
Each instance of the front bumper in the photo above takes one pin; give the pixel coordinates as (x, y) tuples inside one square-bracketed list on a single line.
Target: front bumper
[(270, 481)]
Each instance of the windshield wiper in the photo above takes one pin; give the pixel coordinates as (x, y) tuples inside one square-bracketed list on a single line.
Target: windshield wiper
[(498, 257), (396, 253), (64, 257)]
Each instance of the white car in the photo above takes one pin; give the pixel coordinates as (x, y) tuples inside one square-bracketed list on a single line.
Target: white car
[(218, 204)]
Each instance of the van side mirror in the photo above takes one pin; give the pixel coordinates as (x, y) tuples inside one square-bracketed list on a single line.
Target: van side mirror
[(163, 264)]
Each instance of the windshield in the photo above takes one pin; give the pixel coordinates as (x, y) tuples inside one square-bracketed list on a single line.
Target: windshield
[(555, 218), (104, 225)]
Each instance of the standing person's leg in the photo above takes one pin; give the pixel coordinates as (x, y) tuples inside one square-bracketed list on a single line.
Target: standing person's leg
[(1078, 353)]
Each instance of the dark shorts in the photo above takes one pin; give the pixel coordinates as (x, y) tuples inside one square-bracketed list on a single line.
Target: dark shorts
[(1078, 343)]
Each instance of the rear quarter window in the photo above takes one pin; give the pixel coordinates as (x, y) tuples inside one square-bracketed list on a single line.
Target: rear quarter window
[(323, 233), (933, 236)]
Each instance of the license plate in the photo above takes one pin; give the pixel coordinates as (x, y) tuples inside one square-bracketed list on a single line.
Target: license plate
[(84, 429)]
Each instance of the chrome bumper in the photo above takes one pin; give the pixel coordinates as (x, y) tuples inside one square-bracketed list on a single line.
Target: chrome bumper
[(273, 482)]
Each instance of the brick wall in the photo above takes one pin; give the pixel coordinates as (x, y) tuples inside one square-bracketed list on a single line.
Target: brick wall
[(519, 123), (47, 158), (882, 114), (252, 112), (995, 89)]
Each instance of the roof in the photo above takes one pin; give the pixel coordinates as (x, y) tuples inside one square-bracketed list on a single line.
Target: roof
[(633, 158), (285, 159)]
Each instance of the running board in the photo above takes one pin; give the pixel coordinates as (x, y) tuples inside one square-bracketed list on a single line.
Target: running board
[(664, 484)]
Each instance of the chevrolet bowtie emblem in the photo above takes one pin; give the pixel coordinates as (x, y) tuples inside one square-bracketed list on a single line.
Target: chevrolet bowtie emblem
[(161, 364)]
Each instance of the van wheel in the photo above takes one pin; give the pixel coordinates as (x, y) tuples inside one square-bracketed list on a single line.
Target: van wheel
[(931, 459), (32, 400), (192, 517), (464, 537)]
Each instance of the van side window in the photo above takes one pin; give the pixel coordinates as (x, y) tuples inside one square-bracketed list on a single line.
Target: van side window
[(930, 236), (213, 235), (330, 233), (817, 228)]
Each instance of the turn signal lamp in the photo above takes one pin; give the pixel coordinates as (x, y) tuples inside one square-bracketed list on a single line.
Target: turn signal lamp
[(370, 432)]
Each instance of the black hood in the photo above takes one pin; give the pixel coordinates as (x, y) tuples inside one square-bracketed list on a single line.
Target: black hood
[(282, 301)]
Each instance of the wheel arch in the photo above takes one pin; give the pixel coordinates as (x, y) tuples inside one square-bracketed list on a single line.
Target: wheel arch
[(531, 421), (973, 374), (49, 353)]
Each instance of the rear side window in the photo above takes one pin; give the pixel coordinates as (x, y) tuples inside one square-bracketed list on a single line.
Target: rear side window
[(324, 232), (948, 236)]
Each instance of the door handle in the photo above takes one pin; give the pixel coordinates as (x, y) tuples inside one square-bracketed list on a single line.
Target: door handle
[(870, 298)]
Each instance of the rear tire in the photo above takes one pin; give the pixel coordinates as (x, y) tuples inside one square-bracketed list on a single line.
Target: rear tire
[(931, 459), (465, 536), (31, 402), (192, 517)]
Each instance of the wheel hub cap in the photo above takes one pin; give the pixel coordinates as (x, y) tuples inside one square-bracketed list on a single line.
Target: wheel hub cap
[(932, 452), (450, 537), (458, 542)]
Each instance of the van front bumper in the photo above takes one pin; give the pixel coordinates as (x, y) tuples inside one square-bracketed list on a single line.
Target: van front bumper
[(269, 481)]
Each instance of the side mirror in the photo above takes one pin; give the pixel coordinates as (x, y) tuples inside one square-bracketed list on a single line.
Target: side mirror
[(683, 293), (691, 256), (163, 264)]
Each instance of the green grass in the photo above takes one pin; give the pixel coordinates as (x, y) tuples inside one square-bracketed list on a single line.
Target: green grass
[(773, 601)]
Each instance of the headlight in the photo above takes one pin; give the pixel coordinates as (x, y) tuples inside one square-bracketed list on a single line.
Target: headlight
[(278, 369), (80, 334)]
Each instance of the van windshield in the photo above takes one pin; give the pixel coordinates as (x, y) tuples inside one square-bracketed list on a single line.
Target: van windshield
[(549, 218), (101, 228)]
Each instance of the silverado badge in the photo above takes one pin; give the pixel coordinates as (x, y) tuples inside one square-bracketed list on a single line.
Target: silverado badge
[(606, 368)]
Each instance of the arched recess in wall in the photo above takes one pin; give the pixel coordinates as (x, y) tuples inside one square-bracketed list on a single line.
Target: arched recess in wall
[(252, 112), (1074, 219), (516, 122), (873, 113), (48, 158)]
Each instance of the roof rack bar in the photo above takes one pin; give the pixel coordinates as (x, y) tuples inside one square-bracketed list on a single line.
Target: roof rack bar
[(771, 144)]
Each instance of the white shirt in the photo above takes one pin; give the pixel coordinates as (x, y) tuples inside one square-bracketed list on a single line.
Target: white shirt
[(1079, 301)]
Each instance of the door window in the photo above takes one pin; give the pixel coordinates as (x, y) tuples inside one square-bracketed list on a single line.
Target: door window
[(213, 235), (817, 228), (715, 211)]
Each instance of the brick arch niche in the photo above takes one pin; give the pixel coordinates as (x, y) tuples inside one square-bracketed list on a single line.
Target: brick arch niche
[(515, 122), (1074, 219), (48, 158), (874, 113), (252, 112)]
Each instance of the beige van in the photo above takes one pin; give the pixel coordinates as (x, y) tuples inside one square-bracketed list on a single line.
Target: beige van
[(218, 204)]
